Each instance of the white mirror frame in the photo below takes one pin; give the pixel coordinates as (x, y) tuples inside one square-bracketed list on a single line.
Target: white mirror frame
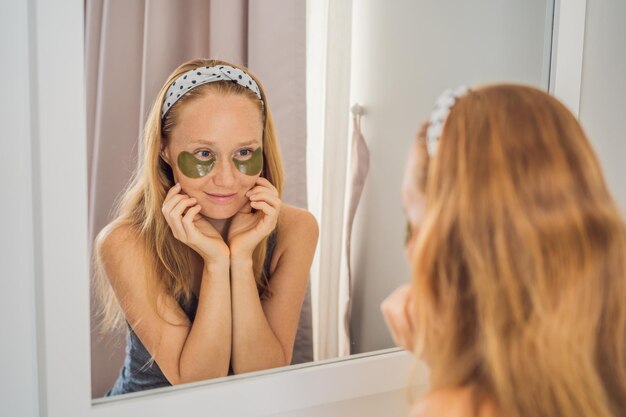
[(52, 289)]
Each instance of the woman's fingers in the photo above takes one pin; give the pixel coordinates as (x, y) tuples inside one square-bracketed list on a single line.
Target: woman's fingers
[(169, 204), (178, 210), (397, 333), (188, 219), (265, 182), (268, 220), (396, 311), (266, 200), (174, 190), (271, 199), (173, 197), (175, 217), (264, 207), (262, 184), (399, 329)]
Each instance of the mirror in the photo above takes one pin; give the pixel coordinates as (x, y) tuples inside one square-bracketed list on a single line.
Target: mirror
[(403, 58), (403, 54)]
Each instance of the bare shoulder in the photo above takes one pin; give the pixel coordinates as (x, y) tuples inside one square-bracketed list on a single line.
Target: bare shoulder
[(297, 224), (443, 403), (119, 248), (296, 239), (451, 402)]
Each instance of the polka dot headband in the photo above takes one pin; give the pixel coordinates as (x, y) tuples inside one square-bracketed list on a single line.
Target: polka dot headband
[(438, 117), (203, 75)]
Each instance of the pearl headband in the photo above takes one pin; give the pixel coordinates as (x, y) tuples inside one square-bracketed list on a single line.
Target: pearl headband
[(438, 117), (203, 75)]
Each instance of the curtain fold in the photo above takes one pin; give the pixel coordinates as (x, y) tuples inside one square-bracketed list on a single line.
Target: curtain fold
[(358, 168), (130, 48)]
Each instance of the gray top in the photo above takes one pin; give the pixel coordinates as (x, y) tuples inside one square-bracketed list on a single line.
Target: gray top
[(139, 371)]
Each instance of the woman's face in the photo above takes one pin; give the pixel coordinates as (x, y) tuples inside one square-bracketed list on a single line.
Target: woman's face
[(413, 199), (219, 134)]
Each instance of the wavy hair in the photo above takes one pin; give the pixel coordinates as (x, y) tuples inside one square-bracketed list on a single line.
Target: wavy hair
[(519, 268)]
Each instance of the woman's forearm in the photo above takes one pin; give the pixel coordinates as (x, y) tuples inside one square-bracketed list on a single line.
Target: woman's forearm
[(207, 350), (255, 346)]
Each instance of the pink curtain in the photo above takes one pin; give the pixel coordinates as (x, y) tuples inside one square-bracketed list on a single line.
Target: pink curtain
[(131, 47)]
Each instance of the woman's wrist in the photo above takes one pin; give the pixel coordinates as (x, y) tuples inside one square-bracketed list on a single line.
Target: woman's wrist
[(240, 252), (217, 252), (241, 258), (213, 264)]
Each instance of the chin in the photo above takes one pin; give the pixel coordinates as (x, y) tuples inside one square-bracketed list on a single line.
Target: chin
[(218, 212)]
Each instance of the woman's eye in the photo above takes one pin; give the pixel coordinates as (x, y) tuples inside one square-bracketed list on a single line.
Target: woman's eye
[(204, 154), (244, 154)]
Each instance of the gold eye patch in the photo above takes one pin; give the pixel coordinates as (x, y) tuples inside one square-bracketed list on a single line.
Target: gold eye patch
[(193, 167)]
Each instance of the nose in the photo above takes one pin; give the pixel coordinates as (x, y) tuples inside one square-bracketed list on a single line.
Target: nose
[(223, 173)]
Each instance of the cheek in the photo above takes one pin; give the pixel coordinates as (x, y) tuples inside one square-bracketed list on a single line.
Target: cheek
[(247, 182), (414, 204), (190, 186)]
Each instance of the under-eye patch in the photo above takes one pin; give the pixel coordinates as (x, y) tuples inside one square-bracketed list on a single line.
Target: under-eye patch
[(193, 167), (253, 165)]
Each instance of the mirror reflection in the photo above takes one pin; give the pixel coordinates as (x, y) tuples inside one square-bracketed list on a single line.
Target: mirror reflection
[(200, 233), (403, 57), (203, 235)]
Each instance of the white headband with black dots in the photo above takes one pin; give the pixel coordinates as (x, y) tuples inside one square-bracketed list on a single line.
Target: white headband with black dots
[(203, 75), (439, 115)]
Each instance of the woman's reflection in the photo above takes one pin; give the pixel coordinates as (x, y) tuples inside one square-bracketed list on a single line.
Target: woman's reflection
[(203, 262)]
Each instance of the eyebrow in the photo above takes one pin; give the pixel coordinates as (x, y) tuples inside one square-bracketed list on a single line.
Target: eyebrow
[(211, 143)]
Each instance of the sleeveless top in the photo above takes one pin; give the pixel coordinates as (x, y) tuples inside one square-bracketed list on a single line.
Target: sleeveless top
[(140, 372)]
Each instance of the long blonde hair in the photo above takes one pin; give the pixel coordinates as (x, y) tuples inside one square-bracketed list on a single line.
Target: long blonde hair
[(170, 262), (519, 268)]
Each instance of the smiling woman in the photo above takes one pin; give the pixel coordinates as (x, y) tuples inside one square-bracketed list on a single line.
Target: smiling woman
[(203, 262)]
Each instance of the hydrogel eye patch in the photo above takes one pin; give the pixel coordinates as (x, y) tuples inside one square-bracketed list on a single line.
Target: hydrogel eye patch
[(252, 166), (193, 167)]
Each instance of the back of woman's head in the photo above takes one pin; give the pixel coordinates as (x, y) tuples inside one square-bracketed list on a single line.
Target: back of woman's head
[(520, 264)]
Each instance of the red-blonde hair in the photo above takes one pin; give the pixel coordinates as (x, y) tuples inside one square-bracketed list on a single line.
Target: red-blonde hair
[(519, 268)]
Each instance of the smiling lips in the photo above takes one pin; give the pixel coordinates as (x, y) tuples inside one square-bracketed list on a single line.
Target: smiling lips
[(221, 198)]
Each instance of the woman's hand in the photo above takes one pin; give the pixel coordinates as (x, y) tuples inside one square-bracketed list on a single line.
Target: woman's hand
[(248, 228), (398, 312), (183, 216)]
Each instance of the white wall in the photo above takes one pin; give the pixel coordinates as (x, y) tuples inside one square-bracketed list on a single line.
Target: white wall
[(405, 53), (603, 91), (18, 346)]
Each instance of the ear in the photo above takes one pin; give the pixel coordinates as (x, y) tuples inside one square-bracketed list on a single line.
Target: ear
[(165, 155)]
